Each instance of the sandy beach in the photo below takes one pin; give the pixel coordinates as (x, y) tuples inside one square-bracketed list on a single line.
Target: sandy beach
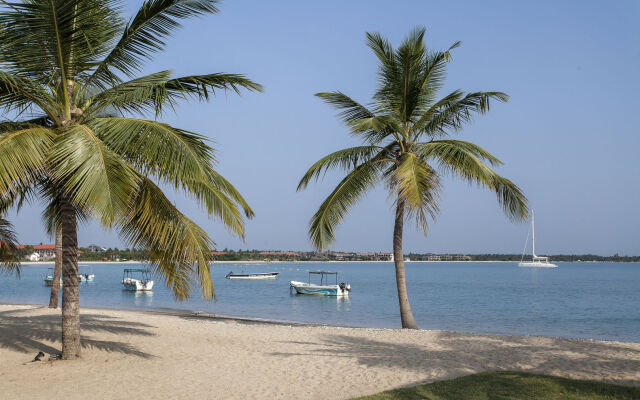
[(156, 356)]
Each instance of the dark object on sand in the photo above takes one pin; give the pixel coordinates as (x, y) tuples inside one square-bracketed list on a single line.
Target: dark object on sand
[(38, 356), (55, 357)]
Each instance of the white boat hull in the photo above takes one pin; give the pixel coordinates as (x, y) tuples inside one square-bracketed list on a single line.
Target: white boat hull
[(534, 264), (258, 275), (320, 290), (137, 284), (86, 277)]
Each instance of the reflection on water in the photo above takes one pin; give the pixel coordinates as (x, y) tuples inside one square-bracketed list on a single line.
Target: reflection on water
[(137, 298), (327, 303)]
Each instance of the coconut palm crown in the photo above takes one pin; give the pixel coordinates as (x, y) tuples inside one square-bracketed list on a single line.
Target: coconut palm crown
[(75, 134), (406, 144)]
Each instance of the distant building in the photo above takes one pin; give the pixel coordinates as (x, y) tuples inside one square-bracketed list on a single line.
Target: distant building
[(94, 248), (447, 257), (34, 257), (42, 250)]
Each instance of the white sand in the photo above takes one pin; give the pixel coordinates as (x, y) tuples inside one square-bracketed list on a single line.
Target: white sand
[(155, 356)]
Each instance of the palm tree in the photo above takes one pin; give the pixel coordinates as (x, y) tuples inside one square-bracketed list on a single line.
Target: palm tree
[(405, 145), (67, 76)]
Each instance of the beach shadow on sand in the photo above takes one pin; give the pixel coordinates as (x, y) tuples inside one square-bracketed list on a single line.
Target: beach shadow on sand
[(27, 333), (454, 354)]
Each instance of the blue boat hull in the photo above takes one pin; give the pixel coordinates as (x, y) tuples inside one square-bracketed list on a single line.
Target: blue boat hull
[(320, 290)]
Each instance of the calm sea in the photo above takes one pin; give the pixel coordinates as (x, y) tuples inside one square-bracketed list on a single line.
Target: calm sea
[(579, 300)]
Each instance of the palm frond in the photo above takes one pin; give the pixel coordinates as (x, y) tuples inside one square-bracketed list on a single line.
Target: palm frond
[(346, 159), (452, 114), (174, 156), (452, 152), (415, 185), (344, 196), (511, 199), (19, 93), (435, 70), (156, 91), (465, 160), (9, 256), (144, 35), (351, 109), (64, 38), (376, 129), (381, 48), (94, 177), (23, 155), (222, 184), (175, 244), (52, 213)]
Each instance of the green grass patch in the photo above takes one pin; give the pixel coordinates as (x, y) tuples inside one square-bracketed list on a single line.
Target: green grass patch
[(511, 386)]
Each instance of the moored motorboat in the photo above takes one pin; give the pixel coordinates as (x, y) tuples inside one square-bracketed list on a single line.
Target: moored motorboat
[(48, 278), (323, 289), (252, 275), (131, 283), (86, 277)]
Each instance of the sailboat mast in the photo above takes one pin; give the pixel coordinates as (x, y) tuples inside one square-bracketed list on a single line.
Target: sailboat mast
[(533, 233)]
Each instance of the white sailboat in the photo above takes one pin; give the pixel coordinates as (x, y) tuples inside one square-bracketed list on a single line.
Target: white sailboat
[(537, 261)]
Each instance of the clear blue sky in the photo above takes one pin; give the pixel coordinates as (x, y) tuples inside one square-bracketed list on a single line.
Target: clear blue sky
[(569, 135)]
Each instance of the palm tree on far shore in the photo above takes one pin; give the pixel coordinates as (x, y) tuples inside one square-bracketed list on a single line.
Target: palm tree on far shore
[(405, 144), (68, 76)]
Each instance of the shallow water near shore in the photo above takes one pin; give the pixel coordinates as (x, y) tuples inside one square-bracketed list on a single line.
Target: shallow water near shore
[(576, 300)]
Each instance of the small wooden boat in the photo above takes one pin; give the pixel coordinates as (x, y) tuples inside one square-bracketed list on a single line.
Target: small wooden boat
[(323, 289), (130, 283), (252, 275), (48, 278)]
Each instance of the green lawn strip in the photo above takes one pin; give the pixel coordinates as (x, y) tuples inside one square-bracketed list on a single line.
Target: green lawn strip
[(511, 386)]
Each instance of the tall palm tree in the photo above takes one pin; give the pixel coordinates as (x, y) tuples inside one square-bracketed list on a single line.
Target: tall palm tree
[(405, 133), (67, 76)]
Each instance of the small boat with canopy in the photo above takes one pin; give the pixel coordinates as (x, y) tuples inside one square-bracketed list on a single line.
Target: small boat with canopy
[(324, 288), (48, 278), (85, 276), (137, 279)]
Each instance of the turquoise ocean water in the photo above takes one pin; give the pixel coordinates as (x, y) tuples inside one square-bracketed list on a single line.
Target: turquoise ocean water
[(577, 300)]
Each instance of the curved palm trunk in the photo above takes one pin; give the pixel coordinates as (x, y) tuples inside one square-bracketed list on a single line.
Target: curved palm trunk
[(70, 299), (55, 289), (406, 315)]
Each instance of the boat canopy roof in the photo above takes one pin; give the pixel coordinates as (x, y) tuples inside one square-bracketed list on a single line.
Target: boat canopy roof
[(137, 270), (324, 278)]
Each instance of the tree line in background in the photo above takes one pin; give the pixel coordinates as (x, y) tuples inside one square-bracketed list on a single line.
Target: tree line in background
[(116, 255), (271, 255)]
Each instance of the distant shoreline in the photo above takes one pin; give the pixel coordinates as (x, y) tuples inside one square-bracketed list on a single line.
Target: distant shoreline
[(318, 262)]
